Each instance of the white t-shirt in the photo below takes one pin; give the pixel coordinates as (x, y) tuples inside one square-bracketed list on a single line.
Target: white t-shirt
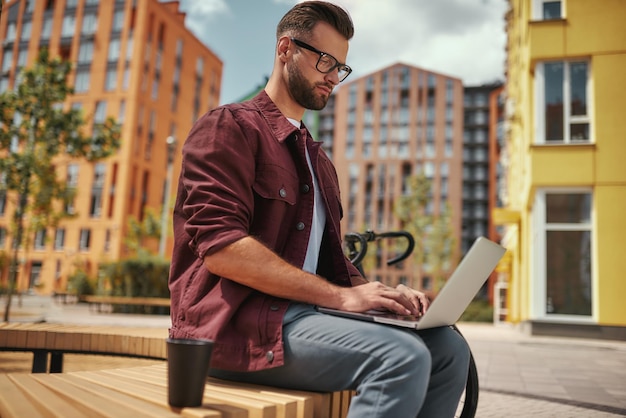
[(319, 219)]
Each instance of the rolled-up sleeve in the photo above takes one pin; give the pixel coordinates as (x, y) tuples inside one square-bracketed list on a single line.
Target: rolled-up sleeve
[(217, 175)]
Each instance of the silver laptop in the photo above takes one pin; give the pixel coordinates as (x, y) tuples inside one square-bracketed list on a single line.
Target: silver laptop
[(452, 300)]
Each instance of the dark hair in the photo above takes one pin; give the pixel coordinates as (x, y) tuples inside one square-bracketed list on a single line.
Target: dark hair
[(302, 17)]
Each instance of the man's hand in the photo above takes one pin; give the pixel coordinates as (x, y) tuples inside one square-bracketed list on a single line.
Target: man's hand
[(375, 295), (418, 299)]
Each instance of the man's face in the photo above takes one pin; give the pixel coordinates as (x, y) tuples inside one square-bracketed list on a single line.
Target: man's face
[(306, 93), (309, 87)]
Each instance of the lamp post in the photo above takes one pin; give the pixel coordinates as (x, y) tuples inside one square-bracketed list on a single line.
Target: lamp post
[(171, 148)]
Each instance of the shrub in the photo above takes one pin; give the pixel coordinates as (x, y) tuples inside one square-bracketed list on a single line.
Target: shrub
[(146, 276), (478, 310), (80, 284)]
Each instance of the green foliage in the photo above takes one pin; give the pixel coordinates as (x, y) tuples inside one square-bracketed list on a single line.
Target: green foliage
[(433, 232), (478, 310), (80, 284), (139, 232), (145, 276), (37, 134)]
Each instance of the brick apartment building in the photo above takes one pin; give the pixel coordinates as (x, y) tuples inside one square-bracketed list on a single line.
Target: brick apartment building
[(136, 61)]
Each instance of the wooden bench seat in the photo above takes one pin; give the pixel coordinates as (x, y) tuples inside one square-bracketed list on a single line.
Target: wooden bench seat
[(53, 340), (133, 392), (142, 392)]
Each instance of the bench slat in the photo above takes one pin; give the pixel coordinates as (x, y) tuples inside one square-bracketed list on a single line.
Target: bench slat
[(153, 393), (46, 399), (94, 402), (14, 403), (257, 408)]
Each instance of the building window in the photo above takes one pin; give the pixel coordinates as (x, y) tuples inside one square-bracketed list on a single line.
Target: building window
[(562, 111), (40, 239), (126, 78), (563, 253), (547, 9), (72, 175), (35, 274), (85, 239), (114, 50), (11, 32), (26, 30), (69, 23), (118, 21), (95, 209), (90, 24), (82, 81), (110, 82), (122, 112), (59, 239), (7, 61), (85, 52), (3, 202), (100, 112), (107, 240), (72, 184)]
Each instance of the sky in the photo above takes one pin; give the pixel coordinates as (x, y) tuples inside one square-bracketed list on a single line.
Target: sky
[(458, 38)]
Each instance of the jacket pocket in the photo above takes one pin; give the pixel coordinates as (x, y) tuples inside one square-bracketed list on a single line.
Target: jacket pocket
[(276, 183)]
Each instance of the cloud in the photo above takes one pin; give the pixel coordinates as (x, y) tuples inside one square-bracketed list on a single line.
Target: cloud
[(200, 13), (460, 38)]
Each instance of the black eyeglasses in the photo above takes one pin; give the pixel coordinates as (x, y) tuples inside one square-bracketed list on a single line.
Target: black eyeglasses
[(326, 63)]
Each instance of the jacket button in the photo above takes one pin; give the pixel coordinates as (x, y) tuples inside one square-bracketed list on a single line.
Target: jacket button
[(273, 307), (305, 188), (300, 226), (269, 356), (282, 193)]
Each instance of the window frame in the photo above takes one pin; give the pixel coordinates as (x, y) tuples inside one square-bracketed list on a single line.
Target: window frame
[(59, 239), (537, 10), (538, 249), (84, 241), (540, 100), (39, 241)]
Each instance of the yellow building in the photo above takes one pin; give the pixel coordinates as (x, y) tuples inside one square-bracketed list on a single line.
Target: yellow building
[(565, 199), (136, 61)]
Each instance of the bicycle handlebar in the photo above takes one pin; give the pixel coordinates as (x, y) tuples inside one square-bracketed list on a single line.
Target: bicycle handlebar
[(356, 256)]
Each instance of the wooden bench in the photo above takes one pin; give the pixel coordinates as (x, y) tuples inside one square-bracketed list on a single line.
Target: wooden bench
[(100, 301), (142, 392), (132, 392), (64, 297), (53, 340)]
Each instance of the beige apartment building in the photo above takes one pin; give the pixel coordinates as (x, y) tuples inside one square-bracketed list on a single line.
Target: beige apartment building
[(136, 61), (384, 127)]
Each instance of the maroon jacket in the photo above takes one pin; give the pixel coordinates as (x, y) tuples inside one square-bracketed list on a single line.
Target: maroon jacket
[(244, 173)]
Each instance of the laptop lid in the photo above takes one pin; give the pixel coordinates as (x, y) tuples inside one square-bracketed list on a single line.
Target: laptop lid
[(454, 297)]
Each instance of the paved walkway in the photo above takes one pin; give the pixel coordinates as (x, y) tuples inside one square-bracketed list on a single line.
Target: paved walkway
[(520, 375)]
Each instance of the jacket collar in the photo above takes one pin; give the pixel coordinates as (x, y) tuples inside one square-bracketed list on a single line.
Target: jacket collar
[(279, 125)]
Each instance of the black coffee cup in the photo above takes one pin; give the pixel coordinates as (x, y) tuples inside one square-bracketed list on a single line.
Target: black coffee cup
[(187, 368)]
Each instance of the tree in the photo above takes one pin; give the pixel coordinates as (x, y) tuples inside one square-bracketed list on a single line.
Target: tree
[(36, 134), (433, 233), (140, 231)]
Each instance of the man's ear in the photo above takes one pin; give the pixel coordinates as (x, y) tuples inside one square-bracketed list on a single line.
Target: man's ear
[(283, 48)]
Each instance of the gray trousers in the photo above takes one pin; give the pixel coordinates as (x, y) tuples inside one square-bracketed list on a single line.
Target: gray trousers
[(396, 373)]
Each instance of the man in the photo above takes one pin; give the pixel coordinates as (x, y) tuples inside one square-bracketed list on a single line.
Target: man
[(258, 246)]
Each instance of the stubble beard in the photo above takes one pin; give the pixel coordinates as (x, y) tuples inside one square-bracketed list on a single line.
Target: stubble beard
[(303, 92)]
